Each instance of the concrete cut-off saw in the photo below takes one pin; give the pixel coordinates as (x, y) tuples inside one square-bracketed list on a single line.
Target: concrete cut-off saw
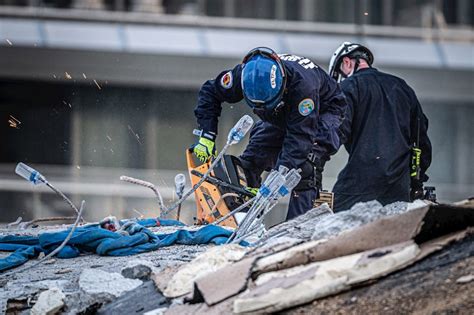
[(223, 191)]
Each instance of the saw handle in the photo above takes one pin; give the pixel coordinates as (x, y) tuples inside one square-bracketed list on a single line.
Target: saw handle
[(191, 161)]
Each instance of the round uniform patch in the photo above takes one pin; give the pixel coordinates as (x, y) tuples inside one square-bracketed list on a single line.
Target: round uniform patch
[(306, 106), (226, 80)]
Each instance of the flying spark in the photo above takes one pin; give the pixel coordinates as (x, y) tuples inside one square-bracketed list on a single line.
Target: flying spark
[(139, 213), (84, 75), (9, 42), (366, 13), (108, 138), (135, 134), (67, 75), (14, 123), (98, 86)]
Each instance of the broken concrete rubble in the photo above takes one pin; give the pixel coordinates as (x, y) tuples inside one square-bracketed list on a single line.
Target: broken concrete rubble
[(342, 261), (465, 279), (98, 282), (137, 301), (249, 272), (301, 227), (235, 277), (360, 214), (208, 262), (138, 269), (298, 285), (49, 302), (27, 284), (427, 287), (389, 231)]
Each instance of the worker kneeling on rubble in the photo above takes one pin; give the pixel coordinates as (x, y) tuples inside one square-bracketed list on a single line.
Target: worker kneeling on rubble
[(384, 132), (300, 108)]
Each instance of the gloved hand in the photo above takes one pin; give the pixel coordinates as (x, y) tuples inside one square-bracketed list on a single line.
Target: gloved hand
[(252, 190), (311, 176), (416, 189), (205, 147)]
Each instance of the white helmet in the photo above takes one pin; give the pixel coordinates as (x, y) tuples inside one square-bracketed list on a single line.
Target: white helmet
[(352, 50)]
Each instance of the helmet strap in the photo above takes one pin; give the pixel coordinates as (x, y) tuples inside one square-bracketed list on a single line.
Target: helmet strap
[(354, 70), (356, 66)]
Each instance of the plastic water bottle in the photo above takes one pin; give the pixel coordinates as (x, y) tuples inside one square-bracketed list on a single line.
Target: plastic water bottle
[(283, 170), (264, 190), (292, 179), (237, 133), (272, 185), (179, 183), (30, 174)]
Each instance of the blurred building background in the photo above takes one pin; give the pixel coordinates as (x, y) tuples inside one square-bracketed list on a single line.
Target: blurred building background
[(94, 89)]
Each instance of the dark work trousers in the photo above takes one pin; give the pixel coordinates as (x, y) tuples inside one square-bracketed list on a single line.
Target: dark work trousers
[(398, 191), (301, 202), (261, 155)]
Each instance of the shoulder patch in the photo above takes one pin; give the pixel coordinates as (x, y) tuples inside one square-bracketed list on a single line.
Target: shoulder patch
[(227, 80), (306, 106)]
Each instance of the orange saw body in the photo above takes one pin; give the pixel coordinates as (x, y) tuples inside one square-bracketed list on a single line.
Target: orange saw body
[(227, 172)]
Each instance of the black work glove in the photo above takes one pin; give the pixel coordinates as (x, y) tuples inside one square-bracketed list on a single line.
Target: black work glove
[(416, 189), (252, 173), (311, 176)]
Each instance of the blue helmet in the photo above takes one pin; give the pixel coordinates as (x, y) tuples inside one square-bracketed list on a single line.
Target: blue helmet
[(263, 78)]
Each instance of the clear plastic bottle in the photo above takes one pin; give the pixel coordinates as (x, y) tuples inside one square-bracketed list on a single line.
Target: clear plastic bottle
[(272, 185), (179, 183), (240, 129), (264, 190), (283, 170), (30, 174), (292, 179)]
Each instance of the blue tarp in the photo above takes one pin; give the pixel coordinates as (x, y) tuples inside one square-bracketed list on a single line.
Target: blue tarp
[(94, 239)]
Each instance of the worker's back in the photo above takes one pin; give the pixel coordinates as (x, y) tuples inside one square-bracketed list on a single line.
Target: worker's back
[(380, 128)]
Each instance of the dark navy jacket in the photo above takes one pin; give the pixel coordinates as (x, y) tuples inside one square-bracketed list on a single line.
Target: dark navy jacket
[(306, 83), (379, 129)]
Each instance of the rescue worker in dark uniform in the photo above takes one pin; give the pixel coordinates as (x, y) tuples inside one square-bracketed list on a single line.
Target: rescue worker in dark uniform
[(300, 108), (383, 122)]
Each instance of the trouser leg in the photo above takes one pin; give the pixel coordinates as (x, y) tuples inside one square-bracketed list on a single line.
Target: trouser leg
[(262, 153), (301, 202)]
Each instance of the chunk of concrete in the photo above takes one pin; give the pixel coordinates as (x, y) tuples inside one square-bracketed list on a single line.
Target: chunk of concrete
[(96, 282), (465, 279), (49, 302), (138, 271), (143, 299), (213, 259), (275, 291), (226, 282)]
